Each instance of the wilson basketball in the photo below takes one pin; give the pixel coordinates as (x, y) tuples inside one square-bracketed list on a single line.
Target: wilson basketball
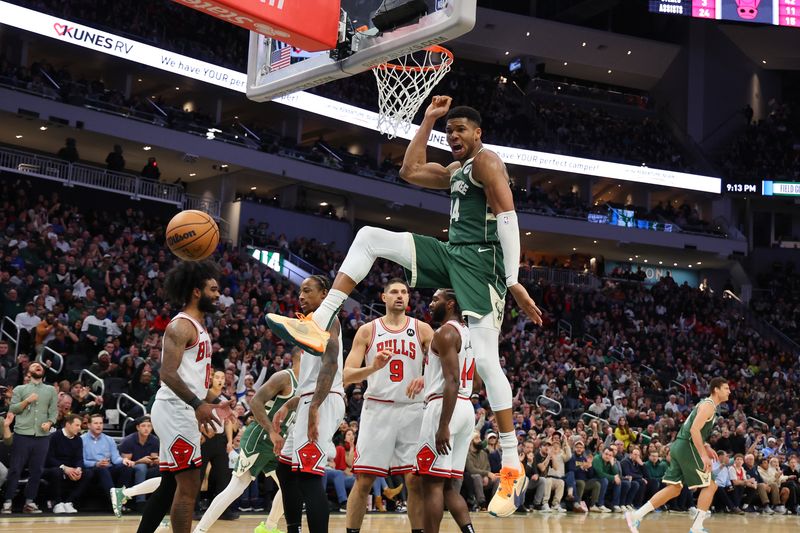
[(192, 235)]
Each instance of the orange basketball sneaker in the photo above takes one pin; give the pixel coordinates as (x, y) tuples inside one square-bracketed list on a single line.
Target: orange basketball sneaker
[(511, 492), (301, 331)]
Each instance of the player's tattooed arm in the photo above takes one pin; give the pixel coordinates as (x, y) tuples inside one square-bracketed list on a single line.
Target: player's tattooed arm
[(330, 364)]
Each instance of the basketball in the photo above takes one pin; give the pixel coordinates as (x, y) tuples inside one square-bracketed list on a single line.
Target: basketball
[(192, 235)]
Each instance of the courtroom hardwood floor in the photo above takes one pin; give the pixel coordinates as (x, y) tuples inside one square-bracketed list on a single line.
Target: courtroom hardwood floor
[(396, 523)]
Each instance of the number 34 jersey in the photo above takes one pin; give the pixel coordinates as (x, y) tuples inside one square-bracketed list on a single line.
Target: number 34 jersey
[(389, 383)]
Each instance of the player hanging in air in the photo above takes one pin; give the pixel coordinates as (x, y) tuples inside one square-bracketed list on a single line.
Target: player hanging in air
[(257, 454), (394, 347), (319, 405), (183, 400), (480, 261), (449, 419), (690, 464)]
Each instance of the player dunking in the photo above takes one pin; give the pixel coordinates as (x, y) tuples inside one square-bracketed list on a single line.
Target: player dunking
[(320, 409), (183, 400), (394, 347), (257, 454), (691, 460), (449, 420), (480, 261)]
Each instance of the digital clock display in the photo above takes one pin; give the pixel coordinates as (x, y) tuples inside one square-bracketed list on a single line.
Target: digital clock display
[(742, 188)]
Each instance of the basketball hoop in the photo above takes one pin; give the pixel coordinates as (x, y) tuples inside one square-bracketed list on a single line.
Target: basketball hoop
[(405, 82)]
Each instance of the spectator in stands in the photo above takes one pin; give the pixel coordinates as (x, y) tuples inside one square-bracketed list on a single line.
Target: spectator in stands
[(69, 152), (64, 466), (103, 368), (6, 355), (354, 404), (605, 468), (98, 328), (534, 494), (478, 473), (632, 469), (151, 170), (27, 322), (101, 459), (746, 490), (114, 159), (44, 331), (654, 470), (16, 374), (721, 473), (141, 448), (34, 406), (12, 306), (771, 475), (585, 487)]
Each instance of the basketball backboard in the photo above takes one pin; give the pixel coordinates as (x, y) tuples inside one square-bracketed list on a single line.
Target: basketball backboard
[(360, 47)]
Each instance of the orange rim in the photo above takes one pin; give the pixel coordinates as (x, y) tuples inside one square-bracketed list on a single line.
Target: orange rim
[(448, 58)]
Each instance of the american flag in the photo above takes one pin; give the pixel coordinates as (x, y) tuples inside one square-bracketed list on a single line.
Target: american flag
[(281, 57)]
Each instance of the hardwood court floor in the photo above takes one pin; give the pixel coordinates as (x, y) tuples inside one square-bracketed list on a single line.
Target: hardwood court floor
[(391, 523)]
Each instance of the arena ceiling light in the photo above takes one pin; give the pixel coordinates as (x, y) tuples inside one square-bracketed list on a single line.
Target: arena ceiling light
[(629, 52), (252, 188), (388, 218), (43, 128), (323, 204), (527, 233), (527, 34), (192, 174), (18, 136), (147, 148)]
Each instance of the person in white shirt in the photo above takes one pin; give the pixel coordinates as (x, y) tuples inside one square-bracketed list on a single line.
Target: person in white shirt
[(28, 319), (672, 404), (225, 299)]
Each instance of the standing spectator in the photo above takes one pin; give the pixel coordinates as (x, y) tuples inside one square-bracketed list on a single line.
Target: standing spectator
[(101, 459), (141, 448), (35, 408), (64, 466), (27, 322), (98, 328), (69, 152), (114, 159), (150, 170)]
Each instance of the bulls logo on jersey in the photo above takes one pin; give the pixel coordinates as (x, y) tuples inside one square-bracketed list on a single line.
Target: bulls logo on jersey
[(425, 458), (404, 347), (310, 457), (182, 452)]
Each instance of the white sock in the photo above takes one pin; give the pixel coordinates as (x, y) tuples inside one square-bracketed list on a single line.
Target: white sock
[(643, 510), (327, 310), (223, 500), (276, 513), (508, 442), (145, 487), (698, 520)]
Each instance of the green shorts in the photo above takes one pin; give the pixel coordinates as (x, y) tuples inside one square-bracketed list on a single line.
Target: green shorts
[(686, 466), (256, 454), (474, 271)]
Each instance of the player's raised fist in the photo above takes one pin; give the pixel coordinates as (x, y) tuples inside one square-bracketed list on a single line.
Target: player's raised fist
[(439, 107)]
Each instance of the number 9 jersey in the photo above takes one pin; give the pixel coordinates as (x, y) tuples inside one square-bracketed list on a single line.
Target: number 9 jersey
[(389, 384)]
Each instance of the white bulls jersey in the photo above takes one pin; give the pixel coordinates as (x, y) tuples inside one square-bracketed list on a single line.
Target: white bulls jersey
[(195, 369), (309, 370), (389, 383), (434, 379)]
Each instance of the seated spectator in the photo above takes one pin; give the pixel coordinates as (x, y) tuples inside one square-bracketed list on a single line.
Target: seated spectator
[(773, 477), (654, 470), (587, 489), (534, 494), (141, 448), (478, 473), (765, 492), (632, 469), (103, 368), (64, 466), (721, 474), (624, 433), (605, 467), (746, 490), (101, 459)]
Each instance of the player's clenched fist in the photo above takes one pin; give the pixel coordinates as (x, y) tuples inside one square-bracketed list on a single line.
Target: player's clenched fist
[(382, 359)]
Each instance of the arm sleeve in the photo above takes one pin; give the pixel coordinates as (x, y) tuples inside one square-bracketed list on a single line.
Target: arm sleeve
[(240, 385), (16, 401), (116, 458), (88, 461), (52, 408), (50, 461), (508, 232)]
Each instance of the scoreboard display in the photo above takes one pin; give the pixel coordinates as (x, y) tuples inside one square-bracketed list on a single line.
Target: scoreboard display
[(776, 12)]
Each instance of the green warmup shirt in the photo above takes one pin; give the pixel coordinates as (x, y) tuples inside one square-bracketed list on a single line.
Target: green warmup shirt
[(256, 454)]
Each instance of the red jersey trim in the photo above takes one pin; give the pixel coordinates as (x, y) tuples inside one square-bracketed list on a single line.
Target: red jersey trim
[(390, 330)]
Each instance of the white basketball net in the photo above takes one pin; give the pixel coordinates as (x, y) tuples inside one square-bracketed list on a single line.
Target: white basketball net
[(405, 83)]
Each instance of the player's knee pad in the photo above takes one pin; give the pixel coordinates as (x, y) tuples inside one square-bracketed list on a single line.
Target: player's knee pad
[(485, 338)]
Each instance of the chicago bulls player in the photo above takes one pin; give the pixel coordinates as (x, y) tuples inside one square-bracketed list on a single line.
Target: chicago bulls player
[(320, 408), (449, 419), (183, 400), (394, 347)]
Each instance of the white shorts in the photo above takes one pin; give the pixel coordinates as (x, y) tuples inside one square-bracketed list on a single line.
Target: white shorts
[(312, 457), (462, 426), (178, 434), (388, 438)]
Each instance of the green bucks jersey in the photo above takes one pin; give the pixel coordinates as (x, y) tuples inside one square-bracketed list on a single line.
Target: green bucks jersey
[(685, 431), (471, 219), (274, 405)]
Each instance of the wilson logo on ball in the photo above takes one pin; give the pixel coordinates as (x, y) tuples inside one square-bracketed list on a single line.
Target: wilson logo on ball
[(175, 239)]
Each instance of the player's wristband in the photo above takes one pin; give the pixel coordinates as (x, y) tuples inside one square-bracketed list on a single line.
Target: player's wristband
[(195, 402)]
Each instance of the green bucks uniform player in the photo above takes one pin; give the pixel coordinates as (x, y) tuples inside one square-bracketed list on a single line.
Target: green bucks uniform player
[(480, 262), (690, 461), (257, 453)]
